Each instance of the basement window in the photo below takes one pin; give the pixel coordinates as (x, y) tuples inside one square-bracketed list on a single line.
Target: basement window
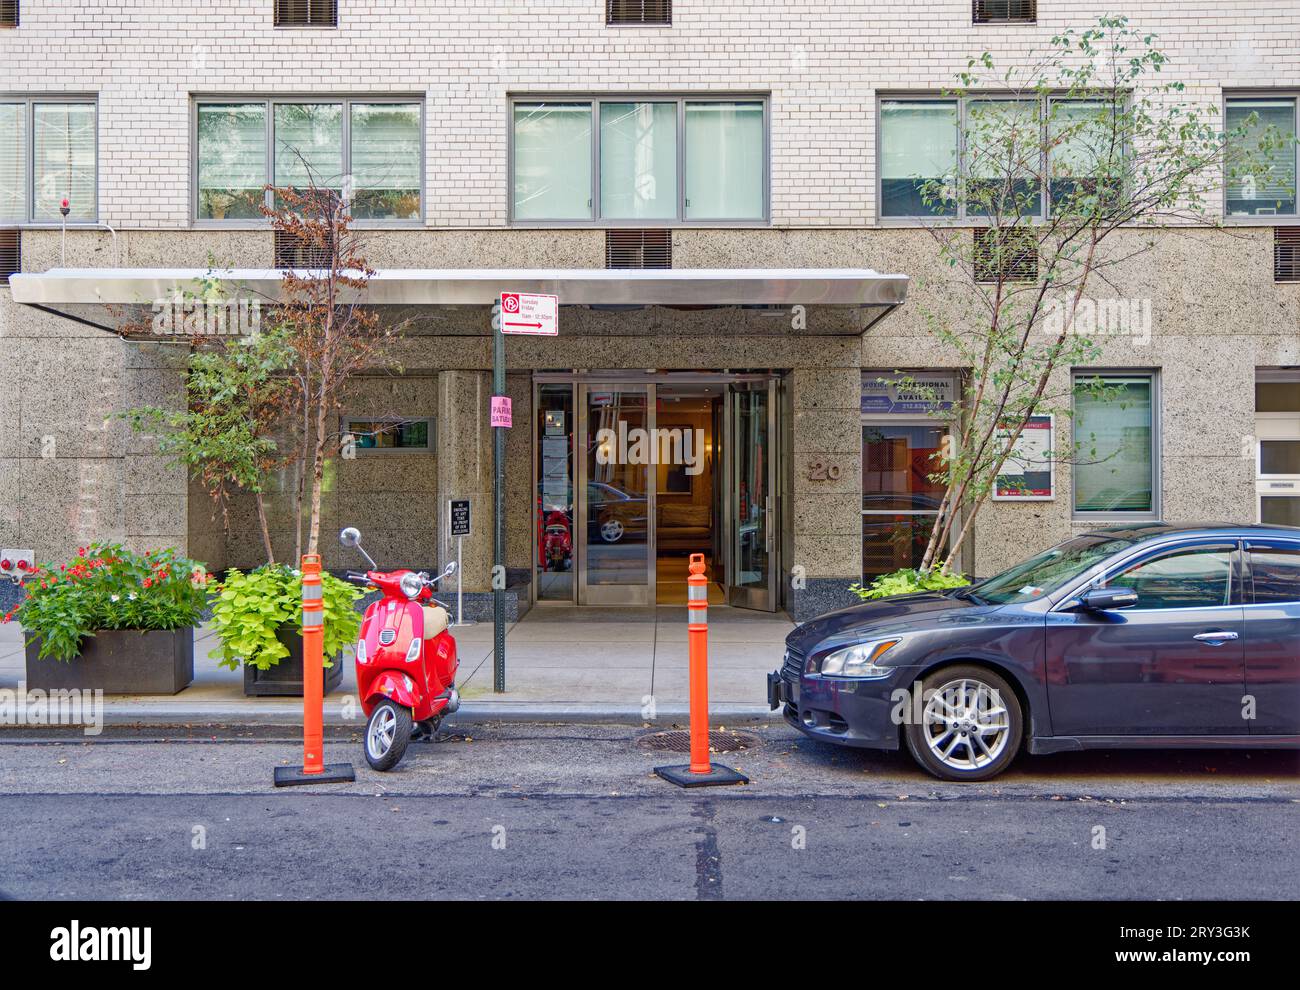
[(307, 13)]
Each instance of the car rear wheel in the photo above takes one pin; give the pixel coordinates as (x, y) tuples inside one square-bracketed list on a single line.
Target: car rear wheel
[(970, 727)]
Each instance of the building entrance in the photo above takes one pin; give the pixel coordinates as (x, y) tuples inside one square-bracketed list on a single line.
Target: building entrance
[(635, 472)]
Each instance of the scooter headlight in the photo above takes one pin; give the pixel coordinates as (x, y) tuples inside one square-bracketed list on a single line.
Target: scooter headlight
[(411, 585)]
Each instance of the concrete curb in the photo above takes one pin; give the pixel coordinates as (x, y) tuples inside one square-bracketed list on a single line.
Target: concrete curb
[(289, 714)]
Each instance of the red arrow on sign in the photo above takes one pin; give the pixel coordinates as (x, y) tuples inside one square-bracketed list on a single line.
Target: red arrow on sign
[(512, 324)]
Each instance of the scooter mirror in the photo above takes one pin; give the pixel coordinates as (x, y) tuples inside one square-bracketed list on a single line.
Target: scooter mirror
[(350, 537), (449, 570)]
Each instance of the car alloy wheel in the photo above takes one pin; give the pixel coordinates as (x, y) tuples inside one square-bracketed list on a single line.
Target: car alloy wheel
[(611, 531), (970, 726)]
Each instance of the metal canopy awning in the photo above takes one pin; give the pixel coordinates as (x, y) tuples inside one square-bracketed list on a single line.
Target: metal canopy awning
[(69, 291)]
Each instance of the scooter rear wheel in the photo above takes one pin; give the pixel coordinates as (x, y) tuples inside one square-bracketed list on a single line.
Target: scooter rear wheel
[(387, 733)]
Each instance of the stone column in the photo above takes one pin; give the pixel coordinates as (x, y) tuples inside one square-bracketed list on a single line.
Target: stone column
[(465, 469), (825, 490)]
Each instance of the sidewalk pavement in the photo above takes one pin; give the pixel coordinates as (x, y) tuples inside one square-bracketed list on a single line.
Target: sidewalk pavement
[(604, 664)]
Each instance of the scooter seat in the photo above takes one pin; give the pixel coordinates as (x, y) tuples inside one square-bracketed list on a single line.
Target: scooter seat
[(436, 620)]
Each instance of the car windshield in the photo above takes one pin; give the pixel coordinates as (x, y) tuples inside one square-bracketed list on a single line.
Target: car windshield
[(1044, 573)]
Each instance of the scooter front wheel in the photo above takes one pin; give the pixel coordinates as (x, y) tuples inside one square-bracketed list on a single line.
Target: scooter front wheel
[(387, 733)]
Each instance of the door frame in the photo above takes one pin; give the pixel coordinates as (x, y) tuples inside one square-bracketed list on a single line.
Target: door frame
[(759, 597), (617, 594), (579, 380)]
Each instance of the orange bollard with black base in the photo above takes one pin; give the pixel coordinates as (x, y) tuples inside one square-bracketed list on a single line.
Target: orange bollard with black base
[(314, 770), (699, 772)]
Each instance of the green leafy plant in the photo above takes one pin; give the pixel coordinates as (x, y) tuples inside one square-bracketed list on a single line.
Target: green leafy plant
[(248, 610), (908, 581), (108, 587)]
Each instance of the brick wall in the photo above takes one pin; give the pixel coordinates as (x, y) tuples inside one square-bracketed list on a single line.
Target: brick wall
[(821, 60)]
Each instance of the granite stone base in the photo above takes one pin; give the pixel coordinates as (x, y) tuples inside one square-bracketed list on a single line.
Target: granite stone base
[(821, 595)]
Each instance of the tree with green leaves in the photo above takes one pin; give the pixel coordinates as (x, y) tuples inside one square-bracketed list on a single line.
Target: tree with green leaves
[(1067, 167), (236, 394)]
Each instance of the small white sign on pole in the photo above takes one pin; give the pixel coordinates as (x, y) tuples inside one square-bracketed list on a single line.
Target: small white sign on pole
[(530, 313)]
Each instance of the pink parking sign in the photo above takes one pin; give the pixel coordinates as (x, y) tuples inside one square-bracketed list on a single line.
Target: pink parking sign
[(501, 414)]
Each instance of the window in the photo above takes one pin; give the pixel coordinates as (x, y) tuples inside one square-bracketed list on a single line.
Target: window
[(1263, 180), (1275, 572), (657, 160), (1115, 462), (376, 435), (918, 147), (930, 147), (372, 151), (48, 154), (8, 13), (1004, 11), (306, 13), (654, 12), (1196, 578)]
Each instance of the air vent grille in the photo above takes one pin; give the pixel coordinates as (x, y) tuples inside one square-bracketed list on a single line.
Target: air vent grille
[(1004, 11), (638, 249), (1005, 256), (1286, 254), (293, 252), (306, 13), (658, 12), (11, 254)]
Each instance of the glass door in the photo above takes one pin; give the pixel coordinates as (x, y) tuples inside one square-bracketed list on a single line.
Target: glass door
[(752, 526), (615, 497)]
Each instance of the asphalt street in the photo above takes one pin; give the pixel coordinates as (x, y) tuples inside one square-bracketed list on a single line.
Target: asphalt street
[(516, 811)]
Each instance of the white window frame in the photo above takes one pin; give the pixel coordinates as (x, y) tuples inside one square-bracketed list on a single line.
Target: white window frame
[(29, 102), (1266, 219), (1157, 424), (270, 104), (681, 100)]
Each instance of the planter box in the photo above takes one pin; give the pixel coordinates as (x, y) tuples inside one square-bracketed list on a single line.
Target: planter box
[(285, 678), (120, 661)]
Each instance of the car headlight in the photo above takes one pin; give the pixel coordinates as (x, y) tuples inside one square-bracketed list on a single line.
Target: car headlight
[(860, 660), (411, 585)]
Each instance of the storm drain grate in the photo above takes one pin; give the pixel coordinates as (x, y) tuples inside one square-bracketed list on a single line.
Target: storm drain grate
[(679, 741)]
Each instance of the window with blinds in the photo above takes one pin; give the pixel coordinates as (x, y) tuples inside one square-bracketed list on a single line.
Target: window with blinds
[(8, 13), (1004, 11), (1262, 165), (306, 13), (48, 157), (372, 151), (652, 12)]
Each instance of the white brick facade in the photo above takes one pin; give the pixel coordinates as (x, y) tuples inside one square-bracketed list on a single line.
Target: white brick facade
[(822, 62)]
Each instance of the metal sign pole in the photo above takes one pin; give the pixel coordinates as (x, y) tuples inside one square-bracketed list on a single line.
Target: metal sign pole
[(498, 510)]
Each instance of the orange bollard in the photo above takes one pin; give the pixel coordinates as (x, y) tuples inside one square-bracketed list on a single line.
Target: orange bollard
[(699, 772), (314, 770), (313, 657), (697, 637)]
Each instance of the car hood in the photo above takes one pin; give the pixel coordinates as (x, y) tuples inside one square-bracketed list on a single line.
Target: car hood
[(886, 616)]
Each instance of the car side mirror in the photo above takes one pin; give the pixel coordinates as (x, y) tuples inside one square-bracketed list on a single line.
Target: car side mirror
[(1107, 599)]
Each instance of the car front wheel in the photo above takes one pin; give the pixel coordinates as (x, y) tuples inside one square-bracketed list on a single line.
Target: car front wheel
[(971, 724)]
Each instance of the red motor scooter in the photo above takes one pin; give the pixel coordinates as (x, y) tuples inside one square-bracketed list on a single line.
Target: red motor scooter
[(406, 659)]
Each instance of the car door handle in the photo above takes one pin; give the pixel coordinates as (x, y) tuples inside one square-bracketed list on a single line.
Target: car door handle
[(1215, 638)]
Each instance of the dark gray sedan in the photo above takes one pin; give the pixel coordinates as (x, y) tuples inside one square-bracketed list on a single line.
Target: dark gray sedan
[(1150, 636)]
